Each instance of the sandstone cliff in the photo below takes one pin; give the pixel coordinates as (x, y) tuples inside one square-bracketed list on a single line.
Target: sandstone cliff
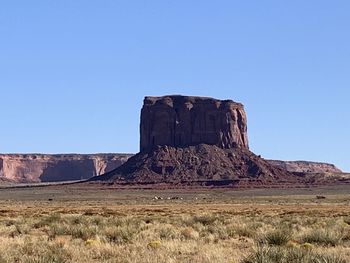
[(25, 168)]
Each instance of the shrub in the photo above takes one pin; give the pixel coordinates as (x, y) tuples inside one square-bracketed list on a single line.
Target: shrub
[(19, 229), (52, 254), (167, 232), (189, 233), (219, 231), (346, 235), (245, 231), (90, 242), (47, 221), (322, 237), (83, 232), (292, 244), (119, 235), (307, 246), (204, 219), (276, 238), (347, 220), (57, 230), (265, 254)]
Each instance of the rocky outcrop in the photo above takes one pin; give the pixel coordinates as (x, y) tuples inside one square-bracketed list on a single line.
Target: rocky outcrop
[(181, 121), (306, 167), (26, 168)]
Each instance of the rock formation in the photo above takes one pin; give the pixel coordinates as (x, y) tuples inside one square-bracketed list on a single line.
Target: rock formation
[(33, 168), (194, 140), (27, 168), (181, 121), (183, 140)]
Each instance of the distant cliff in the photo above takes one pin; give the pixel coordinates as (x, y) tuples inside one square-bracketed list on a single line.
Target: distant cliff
[(306, 167), (26, 168)]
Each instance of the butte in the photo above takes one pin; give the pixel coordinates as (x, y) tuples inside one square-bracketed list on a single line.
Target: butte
[(195, 141)]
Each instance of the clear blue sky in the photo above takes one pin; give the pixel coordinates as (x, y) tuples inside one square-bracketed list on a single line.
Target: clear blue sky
[(73, 74)]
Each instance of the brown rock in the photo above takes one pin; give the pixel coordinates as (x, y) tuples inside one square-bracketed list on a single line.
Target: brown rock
[(181, 121)]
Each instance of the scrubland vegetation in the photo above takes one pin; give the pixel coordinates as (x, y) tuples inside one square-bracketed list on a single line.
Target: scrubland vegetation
[(175, 231)]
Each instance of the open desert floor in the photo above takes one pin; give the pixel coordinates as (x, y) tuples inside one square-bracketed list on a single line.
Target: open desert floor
[(75, 223)]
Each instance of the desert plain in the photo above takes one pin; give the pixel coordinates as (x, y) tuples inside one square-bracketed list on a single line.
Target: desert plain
[(88, 223)]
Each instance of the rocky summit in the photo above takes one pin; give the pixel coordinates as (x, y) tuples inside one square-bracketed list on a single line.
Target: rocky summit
[(194, 140)]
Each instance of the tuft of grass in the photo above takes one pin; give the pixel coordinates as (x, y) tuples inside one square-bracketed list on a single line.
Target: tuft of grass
[(322, 237), (346, 235), (57, 230), (245, 231), (48, 220), (154, 244), (266, 254), (307, 246), (276, 238), (52, 253), (189, 233), (167, 233), (17, 231), (204, 219), (83, 232), (120, 234), (347, 220)]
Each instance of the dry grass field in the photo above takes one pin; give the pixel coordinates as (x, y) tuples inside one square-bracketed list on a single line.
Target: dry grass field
[(89, 224)]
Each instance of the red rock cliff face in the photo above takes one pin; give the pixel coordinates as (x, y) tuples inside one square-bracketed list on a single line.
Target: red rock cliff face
[(181, 121), (26, 168)]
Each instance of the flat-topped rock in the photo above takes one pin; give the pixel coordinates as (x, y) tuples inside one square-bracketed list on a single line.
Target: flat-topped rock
[(182, 121)]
